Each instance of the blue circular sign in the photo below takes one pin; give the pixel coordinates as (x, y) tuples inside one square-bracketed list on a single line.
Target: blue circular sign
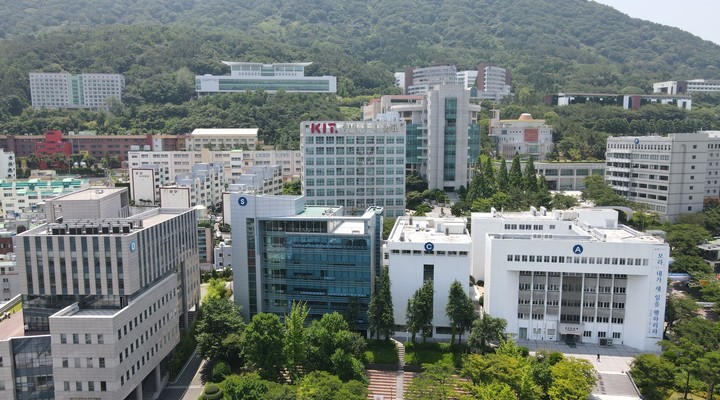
[(133, 246), (429, 246), (577, 249), (636, 141), (242, 201)]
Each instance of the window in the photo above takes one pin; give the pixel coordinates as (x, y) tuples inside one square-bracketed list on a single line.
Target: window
[(101, 362), (78, 386), (428, 272), (65, 362), (89, 362), (587, 334), (63, 338), (66, 386), (91, 386), (103, 386), (616, 335), (76, 338), (88, 339), (601, 334), (100, 339)]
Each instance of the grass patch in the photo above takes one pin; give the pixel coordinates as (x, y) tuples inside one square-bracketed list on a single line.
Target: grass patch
[(431, 353), (381, 352), (17, 307)]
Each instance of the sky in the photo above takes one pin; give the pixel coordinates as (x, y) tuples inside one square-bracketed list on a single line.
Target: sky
[(698, 17)]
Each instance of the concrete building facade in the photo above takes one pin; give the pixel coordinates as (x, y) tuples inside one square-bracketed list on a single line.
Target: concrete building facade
[(524, 136), (354, 164), (572, 276), (22, 197), (250, 76), (64, 90)]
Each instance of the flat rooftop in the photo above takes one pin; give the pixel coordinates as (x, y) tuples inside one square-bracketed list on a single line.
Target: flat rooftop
[(91, 194), (423, 230), (318, 211), (13, 326), (225, 132)]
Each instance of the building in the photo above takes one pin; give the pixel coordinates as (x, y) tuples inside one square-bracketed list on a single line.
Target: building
[(524, 136), (110, 291), (98, 146), (222, 139), (206, 183), (442, 133), (421, 249), (53, 144), (145, 183), (421, 80), (670, 174), (10, 277), (627, 101), (250, 76), (8, 168), (284, 251), (22, 197), (567, 175), (354, 164), (64, 90), (467, 78), (572, 276), (222, 256), (493, 82), (235, 162), (686, 87)]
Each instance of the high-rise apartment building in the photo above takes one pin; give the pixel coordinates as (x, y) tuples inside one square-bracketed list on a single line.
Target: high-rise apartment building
[(689, 86), (354, 164), (493, 82), (572, 276), (8, 169), (107, 293), (670, 174), (285, 251), (64, 90), (250, 76), (421, 80)]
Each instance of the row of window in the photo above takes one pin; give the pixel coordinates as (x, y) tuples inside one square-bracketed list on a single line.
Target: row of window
[(88, 338), (359, 171), (526, 227), (310, 139), (437, 253), (145, 314), (90, 385), (577, 260), (88, 362)]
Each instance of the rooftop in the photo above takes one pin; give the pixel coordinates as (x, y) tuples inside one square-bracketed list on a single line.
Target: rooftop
[(436, 230), (90, 194), (225, 132), (13, 326), (318, 211)]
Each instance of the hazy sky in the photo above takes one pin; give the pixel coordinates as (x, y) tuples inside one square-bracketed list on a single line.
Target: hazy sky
[(698, 17)]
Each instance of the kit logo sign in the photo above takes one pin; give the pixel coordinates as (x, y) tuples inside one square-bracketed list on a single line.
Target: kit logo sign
[(429, 246), (577, 249), (636, 141), (133, 246), (242, 201), (323, 127)]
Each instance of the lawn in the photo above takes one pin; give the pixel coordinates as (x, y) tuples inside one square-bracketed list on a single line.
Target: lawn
[(381, 352), (431, 353)]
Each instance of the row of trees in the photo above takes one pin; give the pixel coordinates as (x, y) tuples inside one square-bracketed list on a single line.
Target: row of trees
[(508, 373)]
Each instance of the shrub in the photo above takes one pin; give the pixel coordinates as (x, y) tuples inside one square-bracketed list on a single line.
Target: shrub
[(212, 392), (220, 371)]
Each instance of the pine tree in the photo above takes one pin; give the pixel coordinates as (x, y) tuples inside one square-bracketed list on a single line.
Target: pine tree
[(515, 178), (380, 310), (419, 311), (488, 181), (459, 310), (530, 176), (503, 180)]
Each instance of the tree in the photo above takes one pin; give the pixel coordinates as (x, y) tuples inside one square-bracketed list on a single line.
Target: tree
[(320, 385), (459, 310), (694, 266), (488, 186), (653, 375), (503, 179), (684, 238), (217, 290), (492, 391), (419, 311), (246, 387), (573, 379), (380, 310), (530, 176), (486, 329), (295, 346), (597, 190), (562, 201), (219, 319), (436, 382), (515, 178), (679, 308), (263, 345), (707, 368), (328, 335)]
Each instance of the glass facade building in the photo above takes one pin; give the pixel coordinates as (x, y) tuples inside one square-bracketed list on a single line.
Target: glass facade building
[(249, 76)]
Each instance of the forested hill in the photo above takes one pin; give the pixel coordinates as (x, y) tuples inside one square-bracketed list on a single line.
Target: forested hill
[(550, 45)]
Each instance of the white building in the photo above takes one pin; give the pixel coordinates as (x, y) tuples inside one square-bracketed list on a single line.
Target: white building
[(467, 78), (235, 162), (670, 174), (10, 277), (689, 86), (524, 136), (572, 276), (63, 90), (146, 181), (422, 249), (22, 197), (206, 182), (354, 164), (110, 290), (7, 165), (223, 256), (250, 76), (493, 82), (222, 139), (421, 80), (567, 175)]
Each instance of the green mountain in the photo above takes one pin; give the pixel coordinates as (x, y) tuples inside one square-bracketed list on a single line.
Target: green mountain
[(550, 45)]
